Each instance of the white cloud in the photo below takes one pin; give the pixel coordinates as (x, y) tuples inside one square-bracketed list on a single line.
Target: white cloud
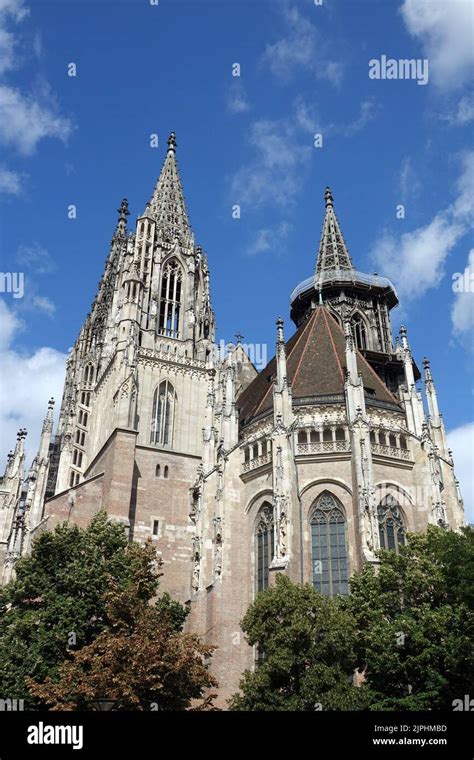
[(367, 112), (273, 174), (25, 120), (275, 171), (409, 182), (309, 119), (10, 325), (11, 183), (462, 313), (27, 380), (43, 303), (416, 260), (36, 258), (463, 114), (301, 47), (461, 441), (463, 207), (10, 10), (268, 239), (445, 32), (237, 100)]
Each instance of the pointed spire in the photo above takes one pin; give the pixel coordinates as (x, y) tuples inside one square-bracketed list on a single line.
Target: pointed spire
[(333, 253), (123, 212), (167, 206), (407, 360), (43, 451), (431, 395), (281, 379)]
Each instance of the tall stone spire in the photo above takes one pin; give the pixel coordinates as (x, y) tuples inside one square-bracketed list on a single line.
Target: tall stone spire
[(167, 206), (333, 253)]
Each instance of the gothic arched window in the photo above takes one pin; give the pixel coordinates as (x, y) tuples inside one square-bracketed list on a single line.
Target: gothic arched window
[(329, 547), (164, 406), (170, 300), (391, 527), (359, 331), (264, 544)]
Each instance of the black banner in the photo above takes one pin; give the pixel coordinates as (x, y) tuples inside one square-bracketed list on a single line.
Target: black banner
[(380, 734)]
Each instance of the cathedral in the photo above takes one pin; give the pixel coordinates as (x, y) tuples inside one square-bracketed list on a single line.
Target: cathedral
[(307, 468)]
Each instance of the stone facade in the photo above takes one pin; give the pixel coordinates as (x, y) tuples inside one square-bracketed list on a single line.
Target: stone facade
[(306, 468)]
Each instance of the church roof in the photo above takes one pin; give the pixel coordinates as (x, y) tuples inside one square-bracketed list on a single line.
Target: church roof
[(316, 366)]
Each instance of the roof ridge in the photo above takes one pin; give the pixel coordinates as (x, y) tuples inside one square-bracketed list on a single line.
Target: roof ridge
[(287, 357), (371, 369), (333, 344), (313, 317), (359, 353)]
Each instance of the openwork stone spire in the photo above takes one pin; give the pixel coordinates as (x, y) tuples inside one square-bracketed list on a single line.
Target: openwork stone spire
[(167, 206), (333, 253)]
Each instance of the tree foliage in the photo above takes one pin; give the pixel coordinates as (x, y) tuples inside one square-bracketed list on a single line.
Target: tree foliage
[(415, 620), (141, 661), (57, 602), (407, 626), (307, 651)]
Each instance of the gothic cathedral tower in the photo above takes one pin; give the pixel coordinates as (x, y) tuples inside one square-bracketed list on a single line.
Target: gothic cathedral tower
[(130, 428)]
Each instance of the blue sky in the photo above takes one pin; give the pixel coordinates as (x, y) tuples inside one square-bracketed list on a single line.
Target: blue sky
[(248, 140)]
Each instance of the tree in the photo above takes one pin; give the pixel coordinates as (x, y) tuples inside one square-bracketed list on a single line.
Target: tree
[(415, 622), (57, 601), (141, 661), (306, 642)]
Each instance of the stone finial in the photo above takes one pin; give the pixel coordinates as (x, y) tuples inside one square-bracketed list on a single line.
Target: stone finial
[(329, 200), (279, 324), (123, 210), (172, 143)]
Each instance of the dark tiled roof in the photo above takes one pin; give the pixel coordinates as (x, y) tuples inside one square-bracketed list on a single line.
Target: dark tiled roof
[(316, 366)]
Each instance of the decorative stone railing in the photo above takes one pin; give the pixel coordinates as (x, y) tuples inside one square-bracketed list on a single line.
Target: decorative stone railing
[(390, 451), (252, 464), (323, 447)]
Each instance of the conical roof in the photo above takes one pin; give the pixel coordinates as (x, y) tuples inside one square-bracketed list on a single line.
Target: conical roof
[(316, 366), (167, 206)]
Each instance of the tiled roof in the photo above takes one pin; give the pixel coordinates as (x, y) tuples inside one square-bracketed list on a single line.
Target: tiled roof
[(316, 366)]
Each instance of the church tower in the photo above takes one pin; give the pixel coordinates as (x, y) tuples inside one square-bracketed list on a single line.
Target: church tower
[(364, 299), (130, 428)]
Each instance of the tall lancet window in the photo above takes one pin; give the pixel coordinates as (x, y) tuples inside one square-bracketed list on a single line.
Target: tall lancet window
[(359, 331), (264, 545), (170, 300), (164, 408), (329, 547), (391, 527)]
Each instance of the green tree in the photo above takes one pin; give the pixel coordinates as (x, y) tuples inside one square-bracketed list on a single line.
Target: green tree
[(415, 622), (307, 642), (57, 601), (140, 661)]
